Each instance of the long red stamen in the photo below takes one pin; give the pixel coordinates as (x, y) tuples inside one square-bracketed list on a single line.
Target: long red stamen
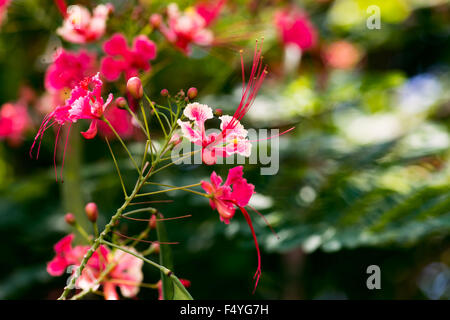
[(153, 201), (54, 152), (64, 153), (265, 220), (40, 134), (165, 219), (257, 76), (62, 7), (274, 136), (258, 270)]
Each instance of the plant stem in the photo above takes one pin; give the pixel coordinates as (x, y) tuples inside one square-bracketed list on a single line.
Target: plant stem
[(123, 143)]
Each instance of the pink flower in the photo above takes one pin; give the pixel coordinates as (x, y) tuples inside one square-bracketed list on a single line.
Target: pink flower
[(80, 26), (14, 122), (127, 275), (235, 141), (295, 28), (235, 192), (68, 69), (128, 60), (125, 269), (85, 102), (209, 10), (121, 121), (189, 27), (232, 137), (65, 256), (3, 9)]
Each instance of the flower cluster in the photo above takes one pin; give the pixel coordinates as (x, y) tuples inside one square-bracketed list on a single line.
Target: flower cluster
[(120, 58), (75, 80), (189, 27), (105, 268), (233, 140)]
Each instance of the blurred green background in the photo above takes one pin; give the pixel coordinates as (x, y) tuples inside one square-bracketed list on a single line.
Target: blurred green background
[(364, 177)]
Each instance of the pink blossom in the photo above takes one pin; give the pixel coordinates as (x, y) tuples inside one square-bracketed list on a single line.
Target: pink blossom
[(127, 275), (80, 26), (3, 9), (65, 256), (121, 121), (125, 269), (295, 28), (189, 27), (209, 10), (235, 192), (85, 102), (235, 141), (127, 60), (14, 122), (68, 69), (232, 137)]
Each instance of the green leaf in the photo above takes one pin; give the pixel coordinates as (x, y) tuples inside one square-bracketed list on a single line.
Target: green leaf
[(179, 291), (165, 259)]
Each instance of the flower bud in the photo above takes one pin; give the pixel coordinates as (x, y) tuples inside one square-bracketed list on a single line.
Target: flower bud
[(181, 94), (186, 283), (121, 103), (155, 20), (164, 92), (70, 219), (192, 93), (91, 211), (155, 247), (218, 112), (176, 139), (134, 87), (152, 222)]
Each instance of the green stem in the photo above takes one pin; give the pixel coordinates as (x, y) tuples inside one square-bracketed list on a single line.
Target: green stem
[(123, 143), (157, 115), (171, 189), (117, 168)]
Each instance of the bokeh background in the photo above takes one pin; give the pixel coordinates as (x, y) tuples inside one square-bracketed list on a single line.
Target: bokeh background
[(364, 177)]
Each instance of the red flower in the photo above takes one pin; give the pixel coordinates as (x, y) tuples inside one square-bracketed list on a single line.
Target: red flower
[(85, 102), (189, 27), (127, 60), (295, 28), (236, 191)]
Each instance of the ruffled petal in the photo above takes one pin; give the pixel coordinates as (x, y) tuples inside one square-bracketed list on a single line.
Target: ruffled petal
[(92, 131)]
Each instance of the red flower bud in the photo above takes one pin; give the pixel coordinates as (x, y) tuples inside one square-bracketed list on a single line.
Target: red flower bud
[(134, 87), (152, 222), (218, 112), (155, 20), (91, 211), (164, 92), (70, 219), (155, 247), (186, 283), (192, 93), (121, 103)]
